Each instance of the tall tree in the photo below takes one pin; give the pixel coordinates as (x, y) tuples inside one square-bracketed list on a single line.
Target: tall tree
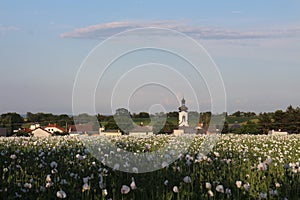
[(11, 121), (111, 125), (265, 122), (225, 128), (279, 120), (123, 120), (205, 119)]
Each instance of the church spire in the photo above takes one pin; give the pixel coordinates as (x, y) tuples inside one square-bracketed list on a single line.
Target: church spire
[(183, 107), (183, 101)]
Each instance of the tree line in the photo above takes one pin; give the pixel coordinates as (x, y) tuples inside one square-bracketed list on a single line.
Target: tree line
[(238, 122), (281, 120)]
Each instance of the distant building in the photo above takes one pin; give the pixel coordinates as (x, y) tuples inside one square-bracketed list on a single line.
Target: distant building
[(3, 132), (80, 128), (52, 128), (183, 114), (26, 130), (101, 129), (141, 131), (111, 133), (178, 132), (188, 129), (34, 126), (40, 132), (272, 132), (183, 121)]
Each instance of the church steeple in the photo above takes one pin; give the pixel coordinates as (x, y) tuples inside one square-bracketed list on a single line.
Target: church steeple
[(183, 115), (183, 101), (183, 107)]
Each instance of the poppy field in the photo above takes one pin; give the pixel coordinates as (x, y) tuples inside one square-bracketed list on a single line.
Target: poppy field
[(237, 167)]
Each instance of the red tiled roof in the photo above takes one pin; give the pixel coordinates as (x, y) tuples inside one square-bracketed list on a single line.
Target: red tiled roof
[(55, 126), (27, 130)]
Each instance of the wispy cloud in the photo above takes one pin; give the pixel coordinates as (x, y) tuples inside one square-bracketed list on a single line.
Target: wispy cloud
[(236, 12), (108, 29), (8, 28), (100, 31)]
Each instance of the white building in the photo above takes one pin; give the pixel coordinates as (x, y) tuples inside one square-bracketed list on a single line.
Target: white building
[(141, 131), (272, 132), (34, 126), (111, 133), (183, 123), (52, 128), (183, 114), (178, 132)]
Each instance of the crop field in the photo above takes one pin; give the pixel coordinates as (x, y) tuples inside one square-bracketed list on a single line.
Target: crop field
[(237, 167)]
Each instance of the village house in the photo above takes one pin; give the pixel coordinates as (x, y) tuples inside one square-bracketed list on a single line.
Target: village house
[(141, 131), (34, 126), (110, 133), (40, 132), (273, 132), (80, 128), (52, 128)]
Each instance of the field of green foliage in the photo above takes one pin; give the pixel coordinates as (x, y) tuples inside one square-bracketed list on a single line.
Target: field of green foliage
[(238, 167)]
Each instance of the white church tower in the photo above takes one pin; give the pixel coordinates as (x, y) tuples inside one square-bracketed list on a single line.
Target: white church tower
[(183, 114)]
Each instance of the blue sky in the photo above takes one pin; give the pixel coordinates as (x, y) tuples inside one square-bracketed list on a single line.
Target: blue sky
[(255, 44)]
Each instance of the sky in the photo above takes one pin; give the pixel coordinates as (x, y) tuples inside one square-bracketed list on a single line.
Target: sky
[(255, 46)]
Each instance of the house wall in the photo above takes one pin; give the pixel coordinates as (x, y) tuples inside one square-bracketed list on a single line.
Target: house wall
[(183, 118), (40, 133), (140, 134), (277, 133), (111, 133), (178, 132), (34, 126)]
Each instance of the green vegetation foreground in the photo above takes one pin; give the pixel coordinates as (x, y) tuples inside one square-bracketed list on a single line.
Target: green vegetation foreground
[(238, 167)]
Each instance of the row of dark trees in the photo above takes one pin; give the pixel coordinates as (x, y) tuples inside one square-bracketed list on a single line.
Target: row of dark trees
[(238, 122), (163, 123), (124, 120), (288, 121), (14, 121), (45, 118)]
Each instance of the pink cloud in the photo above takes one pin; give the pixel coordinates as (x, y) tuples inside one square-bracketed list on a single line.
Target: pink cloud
[(100, 31)]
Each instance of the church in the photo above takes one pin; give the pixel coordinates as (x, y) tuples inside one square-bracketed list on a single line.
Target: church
[(183, 121), (183, 115)]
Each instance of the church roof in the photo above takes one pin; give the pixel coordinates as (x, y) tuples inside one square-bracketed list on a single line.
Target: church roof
[(183, 108)]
